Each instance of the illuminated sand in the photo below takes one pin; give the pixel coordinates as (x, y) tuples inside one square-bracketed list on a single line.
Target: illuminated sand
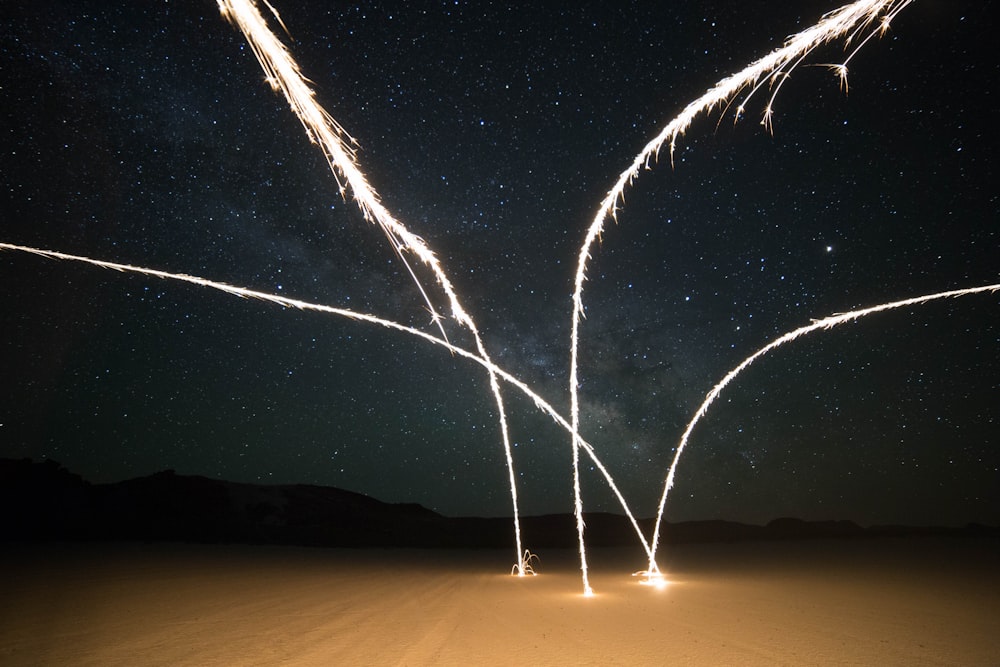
[(918, 601)]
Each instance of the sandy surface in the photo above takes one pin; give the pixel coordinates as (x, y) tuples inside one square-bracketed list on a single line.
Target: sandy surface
[(900, 602)]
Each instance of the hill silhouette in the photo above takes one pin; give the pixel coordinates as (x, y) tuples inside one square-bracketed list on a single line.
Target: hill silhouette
[(46, 502)]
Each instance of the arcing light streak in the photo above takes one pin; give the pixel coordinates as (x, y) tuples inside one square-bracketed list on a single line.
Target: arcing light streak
[(773, 68), (523, 565), (284, 75), (825, 323)]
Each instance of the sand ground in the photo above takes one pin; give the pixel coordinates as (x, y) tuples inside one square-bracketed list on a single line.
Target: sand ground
[(872, 602)]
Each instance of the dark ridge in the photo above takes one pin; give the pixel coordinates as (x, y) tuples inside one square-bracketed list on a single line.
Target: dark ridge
[(46, 502)]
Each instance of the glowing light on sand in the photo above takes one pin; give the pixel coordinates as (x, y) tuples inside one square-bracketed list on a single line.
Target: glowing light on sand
[(652, 578), (284, 76), (526, 564), (772, 69)]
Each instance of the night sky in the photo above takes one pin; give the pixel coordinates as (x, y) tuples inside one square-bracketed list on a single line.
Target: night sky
[(144, 133)]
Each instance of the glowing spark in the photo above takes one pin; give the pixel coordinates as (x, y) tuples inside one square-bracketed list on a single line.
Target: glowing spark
[(847, 20), (284, 75), (524, 567), (651, 578), (841, 71), (825, 323)]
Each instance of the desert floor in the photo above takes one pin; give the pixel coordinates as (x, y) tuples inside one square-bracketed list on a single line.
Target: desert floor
[(914, 601)]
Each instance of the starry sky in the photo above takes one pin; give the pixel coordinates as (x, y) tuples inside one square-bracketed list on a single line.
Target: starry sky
[(144, 133)]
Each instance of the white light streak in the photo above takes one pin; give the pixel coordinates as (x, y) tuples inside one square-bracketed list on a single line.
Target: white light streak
[(772, 69), (284, 76)]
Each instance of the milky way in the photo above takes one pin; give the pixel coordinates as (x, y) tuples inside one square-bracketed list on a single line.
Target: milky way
[(149, 137)]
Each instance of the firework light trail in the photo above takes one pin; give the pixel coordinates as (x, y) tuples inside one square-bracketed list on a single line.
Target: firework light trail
[(817, 325), (523, 565), (284, 75), (850, 20)]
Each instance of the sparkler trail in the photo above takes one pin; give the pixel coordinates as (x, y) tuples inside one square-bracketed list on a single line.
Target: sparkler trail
[(523, 565), (823, 324), (284, 75), (774, 68)]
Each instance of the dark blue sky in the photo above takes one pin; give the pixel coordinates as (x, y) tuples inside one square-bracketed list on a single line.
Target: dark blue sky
[(145, 134)]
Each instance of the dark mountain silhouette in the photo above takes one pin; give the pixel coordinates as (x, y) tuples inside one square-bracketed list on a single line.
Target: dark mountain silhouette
[(46, 502)]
